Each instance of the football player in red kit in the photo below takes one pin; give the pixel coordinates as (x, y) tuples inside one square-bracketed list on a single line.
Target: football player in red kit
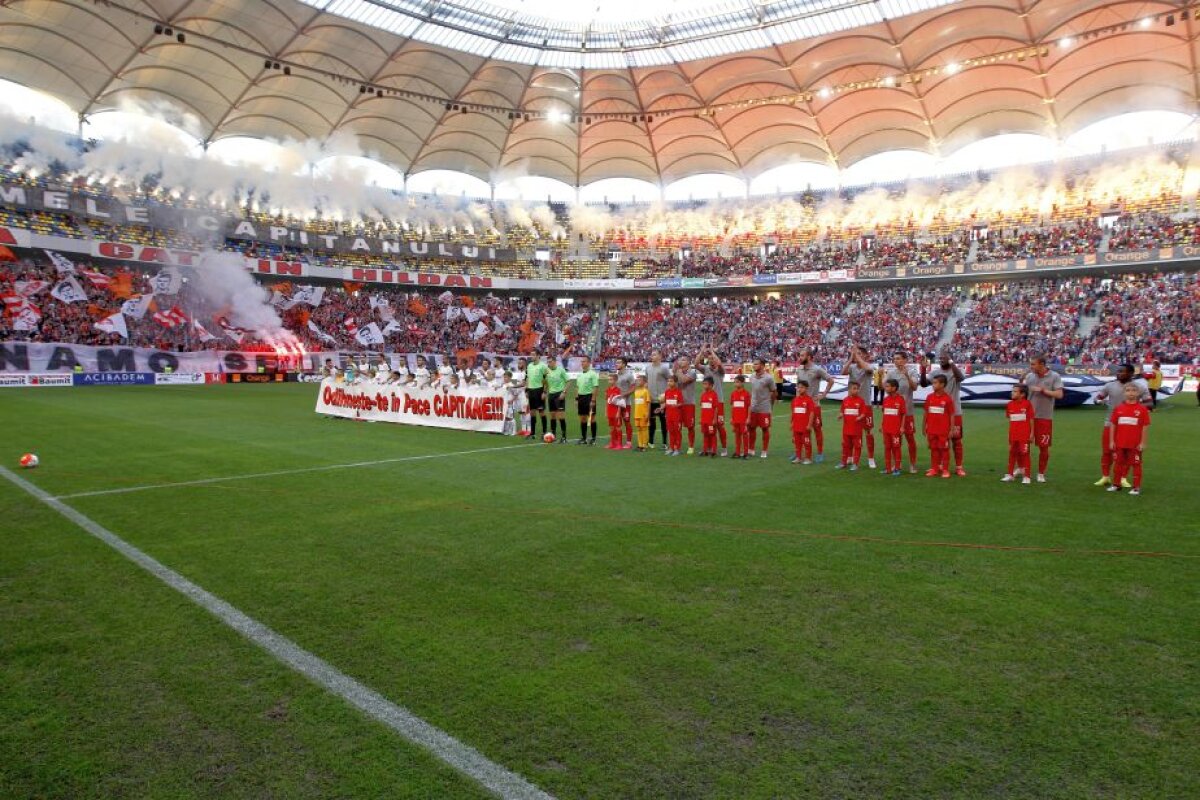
[(1128, 424), (854, 414), (895, 410), (936, 424), (1020, 415), (710, 410), (804, 412), (739, 415)]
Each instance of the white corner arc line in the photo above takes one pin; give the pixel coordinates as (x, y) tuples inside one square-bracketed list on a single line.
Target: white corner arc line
[(281, 472), (444, 747)]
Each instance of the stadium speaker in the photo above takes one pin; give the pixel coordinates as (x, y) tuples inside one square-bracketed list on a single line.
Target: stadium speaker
[(275, 65), (158, 30), (181, 38), (447, 106), (1170, 20), (267, 64), (287, 70)]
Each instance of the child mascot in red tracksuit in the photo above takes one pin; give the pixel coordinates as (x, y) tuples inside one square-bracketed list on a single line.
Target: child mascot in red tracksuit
[(939, 413), (804, 412), (1129, 422), (892, 428), (853, 415), (1020, 433), (672, 411), (739, 416), (616, 413), (710, 411)]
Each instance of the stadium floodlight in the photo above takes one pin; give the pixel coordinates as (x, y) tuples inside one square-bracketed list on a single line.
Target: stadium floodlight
[(554, 115), (953, 68), (1145, 23), (1066, 41), (825, 93)]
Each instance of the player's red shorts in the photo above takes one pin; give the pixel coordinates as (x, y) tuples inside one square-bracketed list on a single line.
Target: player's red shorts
[(817, 416), (910, 425), (868, 422), (688, 416), (760, 420), (1043, 432), (938, 441), (956, 428)]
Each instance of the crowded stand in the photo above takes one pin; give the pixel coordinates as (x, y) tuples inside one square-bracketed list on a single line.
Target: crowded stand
[(1147, 316), (1009, 323), (1032, 212)]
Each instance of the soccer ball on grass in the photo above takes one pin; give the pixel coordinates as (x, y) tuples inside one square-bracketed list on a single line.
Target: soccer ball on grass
[(548, 438), (29, 461)]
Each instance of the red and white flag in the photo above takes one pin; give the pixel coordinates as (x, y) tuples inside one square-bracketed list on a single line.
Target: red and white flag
[(170, 318), (136, 306), (96, 278), (114, 323), (237, 334), (351, 326), (201, 332), (30, 288), (25, 317)]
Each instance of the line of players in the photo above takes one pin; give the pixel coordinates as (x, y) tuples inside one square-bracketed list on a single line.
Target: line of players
[(664, 398)]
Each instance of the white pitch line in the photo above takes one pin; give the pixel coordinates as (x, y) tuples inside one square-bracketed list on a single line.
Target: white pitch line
[(277, 473), (464, 758)]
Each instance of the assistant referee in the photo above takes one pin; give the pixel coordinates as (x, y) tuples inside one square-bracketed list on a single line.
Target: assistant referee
[(587, 394)]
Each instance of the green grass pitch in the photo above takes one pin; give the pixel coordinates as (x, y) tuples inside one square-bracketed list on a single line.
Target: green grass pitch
[(608, 625)]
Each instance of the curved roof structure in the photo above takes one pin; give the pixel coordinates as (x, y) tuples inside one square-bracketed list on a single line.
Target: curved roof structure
[(423, 94)]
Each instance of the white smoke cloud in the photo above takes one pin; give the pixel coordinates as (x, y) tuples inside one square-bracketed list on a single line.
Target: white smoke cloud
[(221, 281)]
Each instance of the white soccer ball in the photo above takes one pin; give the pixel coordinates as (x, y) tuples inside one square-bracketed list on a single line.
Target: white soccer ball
[(29, 461)]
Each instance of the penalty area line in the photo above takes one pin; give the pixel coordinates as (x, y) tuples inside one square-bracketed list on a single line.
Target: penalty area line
[(441, 745), (282, 472)]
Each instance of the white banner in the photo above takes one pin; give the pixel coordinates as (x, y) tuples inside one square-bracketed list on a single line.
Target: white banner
[(12, 381), (465, 409), (49, 357)]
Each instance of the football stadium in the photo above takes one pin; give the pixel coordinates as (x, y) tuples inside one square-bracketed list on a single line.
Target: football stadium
[(661, 399)]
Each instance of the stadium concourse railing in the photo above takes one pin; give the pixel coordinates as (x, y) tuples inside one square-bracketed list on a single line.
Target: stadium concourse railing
[(151, 257)]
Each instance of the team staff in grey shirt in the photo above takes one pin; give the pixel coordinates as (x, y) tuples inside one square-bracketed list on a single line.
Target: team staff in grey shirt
[(656, 382), (762, 397), (860, 370), (1044, 386), (711, 367), (813, 373), (906, 376), (954, 378), (1113, 394)]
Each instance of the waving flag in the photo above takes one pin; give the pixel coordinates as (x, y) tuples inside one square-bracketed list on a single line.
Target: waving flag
[(237, 334), (137, 306), (446, 296), (25, 317), (351, 326), (392, 327), (61, 263), (167, 280), (30, 288), (308, 295), (453, 313), (474, 314), (320, 334), (369, 335), (481, 330), (96, 278), (498, 326), (171, 318), (201, 332), (7, 255), (114, 323), (121, 284), (415, 306), (68, 290)]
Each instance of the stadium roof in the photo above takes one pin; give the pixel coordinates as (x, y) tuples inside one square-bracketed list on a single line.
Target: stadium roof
[(428, 86)]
